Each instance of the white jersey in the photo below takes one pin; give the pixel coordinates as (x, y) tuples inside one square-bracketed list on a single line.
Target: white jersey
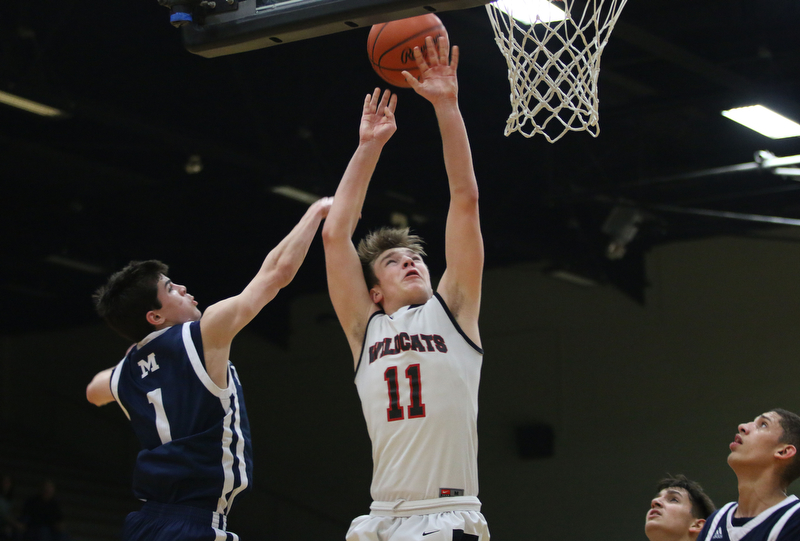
[(418, 379)]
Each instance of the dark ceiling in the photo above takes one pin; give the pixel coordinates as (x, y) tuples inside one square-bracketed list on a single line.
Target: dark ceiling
[(85, 194)]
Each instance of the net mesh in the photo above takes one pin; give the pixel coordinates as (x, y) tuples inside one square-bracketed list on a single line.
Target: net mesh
[(554, 64)]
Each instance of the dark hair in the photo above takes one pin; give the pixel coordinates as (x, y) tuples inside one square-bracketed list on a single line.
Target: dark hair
[(377, 242), (790, 423), (127, 297), (702, 506)]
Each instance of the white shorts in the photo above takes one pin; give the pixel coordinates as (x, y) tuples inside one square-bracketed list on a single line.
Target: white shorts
[(445, 526)]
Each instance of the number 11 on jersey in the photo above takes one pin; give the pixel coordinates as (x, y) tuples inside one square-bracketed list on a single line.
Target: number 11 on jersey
[(416, 408)]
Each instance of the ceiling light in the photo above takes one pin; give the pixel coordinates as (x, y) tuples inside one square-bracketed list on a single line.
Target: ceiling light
[(531, 11), (294, 193), (29, 105), (194, 164), (75, 264), (764, 121), (572, 277)]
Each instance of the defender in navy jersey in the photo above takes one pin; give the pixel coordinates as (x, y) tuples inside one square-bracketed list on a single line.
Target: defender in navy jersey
[(182, 394), (765, 459), (417, 354)]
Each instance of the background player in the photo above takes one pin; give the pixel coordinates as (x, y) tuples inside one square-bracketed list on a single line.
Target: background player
[(180, 392), (678, 512), (764, 458), (417, 354)]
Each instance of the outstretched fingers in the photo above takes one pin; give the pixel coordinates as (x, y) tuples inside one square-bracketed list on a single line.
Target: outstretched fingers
[(392, 105), (419, 58), (454, 58), (440, 47), (384, 100), (371, 101)]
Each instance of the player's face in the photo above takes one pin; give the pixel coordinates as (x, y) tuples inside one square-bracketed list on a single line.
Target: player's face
[(757, 441), (403, 278), (177, 306), (670, 515)]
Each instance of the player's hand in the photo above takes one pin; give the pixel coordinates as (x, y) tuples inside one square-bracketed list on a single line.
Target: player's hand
[(438, 81), (321, 207), (377, 120)]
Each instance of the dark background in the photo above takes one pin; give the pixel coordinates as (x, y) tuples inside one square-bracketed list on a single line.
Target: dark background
[(85, 194)]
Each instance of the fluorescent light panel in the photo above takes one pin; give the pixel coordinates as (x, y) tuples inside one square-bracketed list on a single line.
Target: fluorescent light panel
[(294, 193), (764, 121), (573, 278), (531, 11), (75, 264), (29, 105)]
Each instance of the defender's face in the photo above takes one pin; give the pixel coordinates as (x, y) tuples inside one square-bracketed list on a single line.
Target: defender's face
[(177, 306), (670, 515), (757, 441), (403, 278)]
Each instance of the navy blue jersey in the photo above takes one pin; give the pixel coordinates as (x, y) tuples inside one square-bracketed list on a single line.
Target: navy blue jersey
[(780, 522), (195, 436)]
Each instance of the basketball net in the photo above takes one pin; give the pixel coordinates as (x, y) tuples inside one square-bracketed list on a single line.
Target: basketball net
[(553, 64)]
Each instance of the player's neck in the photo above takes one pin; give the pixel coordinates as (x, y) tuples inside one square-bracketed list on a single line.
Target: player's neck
[(391, 307), (758, 492), (669, 536)]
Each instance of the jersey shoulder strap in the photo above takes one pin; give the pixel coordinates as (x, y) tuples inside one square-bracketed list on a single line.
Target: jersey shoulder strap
[(776, 530)]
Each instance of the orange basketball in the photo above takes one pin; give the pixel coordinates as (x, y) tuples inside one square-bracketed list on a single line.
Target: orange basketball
[(391, 46)]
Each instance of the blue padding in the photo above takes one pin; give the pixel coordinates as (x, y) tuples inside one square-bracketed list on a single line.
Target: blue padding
[(180, 17)]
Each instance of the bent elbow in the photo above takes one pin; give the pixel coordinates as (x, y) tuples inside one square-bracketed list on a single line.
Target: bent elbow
[(92, 397), (467, 197), (329, 234), (334, 233)]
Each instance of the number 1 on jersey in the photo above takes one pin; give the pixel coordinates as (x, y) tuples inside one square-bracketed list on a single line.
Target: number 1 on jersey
[(162, 423), (416, 408)]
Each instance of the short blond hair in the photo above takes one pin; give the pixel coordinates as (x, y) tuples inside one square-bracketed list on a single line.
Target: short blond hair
[(380, 240)]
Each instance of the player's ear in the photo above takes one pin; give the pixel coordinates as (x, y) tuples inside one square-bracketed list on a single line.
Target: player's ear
[(786, 451), (376, 295), (696, 526), (154, 318)]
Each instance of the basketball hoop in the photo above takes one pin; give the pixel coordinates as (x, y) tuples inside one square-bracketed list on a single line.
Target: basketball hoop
[(553, 62)]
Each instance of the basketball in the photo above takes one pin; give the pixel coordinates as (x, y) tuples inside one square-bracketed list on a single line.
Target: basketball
[(390, 46)]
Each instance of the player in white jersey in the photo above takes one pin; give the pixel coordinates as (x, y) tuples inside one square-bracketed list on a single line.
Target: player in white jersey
[(417, 354), (765, 459), (181, 393), (679, 510)]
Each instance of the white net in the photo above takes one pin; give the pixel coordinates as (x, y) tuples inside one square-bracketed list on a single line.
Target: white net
[(553, 63)]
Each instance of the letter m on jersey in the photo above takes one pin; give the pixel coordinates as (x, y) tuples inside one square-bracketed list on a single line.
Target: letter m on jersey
[(149, 365)]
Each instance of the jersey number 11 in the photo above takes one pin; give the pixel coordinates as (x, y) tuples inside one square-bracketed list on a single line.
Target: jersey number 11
[(416, 408)]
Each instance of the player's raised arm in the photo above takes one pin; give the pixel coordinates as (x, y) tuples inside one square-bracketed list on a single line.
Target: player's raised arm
[(223, 320), (346, 284), (460, 285)]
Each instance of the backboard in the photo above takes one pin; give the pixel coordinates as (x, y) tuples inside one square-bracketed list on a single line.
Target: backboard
[(228, 27)]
